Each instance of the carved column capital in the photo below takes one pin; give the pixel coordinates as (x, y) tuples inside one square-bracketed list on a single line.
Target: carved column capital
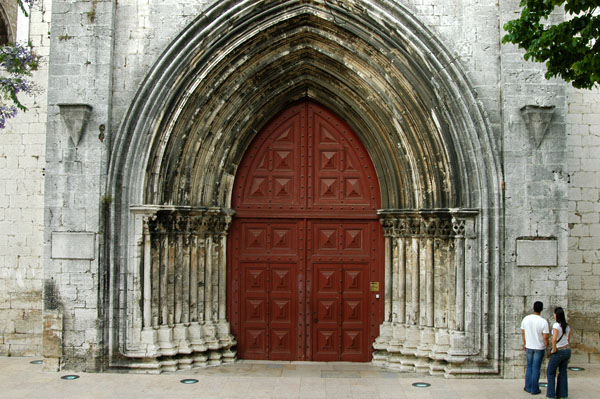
[(389, 226), (414, 226), (458, 227), (463, 223), (429, 226), (198, 224), (219, 223)]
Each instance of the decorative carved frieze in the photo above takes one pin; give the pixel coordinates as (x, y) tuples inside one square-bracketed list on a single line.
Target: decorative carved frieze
[(435, 224)]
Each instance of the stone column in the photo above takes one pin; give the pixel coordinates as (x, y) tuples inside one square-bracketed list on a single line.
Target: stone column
[(458, 226), (226, 340), (466, 338), (388, 232), (183, 293), (429, 227), (401, 279), (415, 274), (435, 296), (148, 333)]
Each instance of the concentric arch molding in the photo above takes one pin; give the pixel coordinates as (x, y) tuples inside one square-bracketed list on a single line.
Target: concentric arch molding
[(371, 62)]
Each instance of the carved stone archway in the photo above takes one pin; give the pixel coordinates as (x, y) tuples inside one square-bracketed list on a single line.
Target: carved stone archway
[(180, 145)]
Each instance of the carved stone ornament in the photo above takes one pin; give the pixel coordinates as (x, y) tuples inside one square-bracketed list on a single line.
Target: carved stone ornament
[(75, 118), (537, 119)]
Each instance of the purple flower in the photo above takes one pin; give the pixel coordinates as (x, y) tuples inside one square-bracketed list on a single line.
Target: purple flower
[(18, 58), (15, 84), (17, 61), (6, 112)]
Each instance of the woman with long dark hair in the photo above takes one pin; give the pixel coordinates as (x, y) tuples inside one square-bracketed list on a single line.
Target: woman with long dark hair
[(559, 357)]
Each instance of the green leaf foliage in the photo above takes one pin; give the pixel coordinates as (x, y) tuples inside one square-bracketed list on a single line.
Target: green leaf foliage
[(570, 49)]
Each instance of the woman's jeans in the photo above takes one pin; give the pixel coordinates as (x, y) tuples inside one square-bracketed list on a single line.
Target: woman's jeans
[(532, 374), (559, 360)]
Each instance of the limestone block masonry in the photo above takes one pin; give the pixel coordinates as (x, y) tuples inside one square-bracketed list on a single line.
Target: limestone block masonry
[(22, 163), (488, 204), (583, 130)]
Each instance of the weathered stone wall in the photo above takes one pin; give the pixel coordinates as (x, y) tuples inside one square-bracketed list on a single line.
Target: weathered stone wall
[(22, 162), (101, 53), (584, 222), (143, 30), (80, 73), (535, 192), (86, 71), (101, 50)]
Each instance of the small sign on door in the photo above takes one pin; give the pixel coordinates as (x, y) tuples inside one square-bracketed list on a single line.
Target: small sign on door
[(374, 286)]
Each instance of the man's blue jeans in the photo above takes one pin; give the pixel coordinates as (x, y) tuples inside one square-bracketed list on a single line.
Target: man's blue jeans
[(559, 360), (532, 375)]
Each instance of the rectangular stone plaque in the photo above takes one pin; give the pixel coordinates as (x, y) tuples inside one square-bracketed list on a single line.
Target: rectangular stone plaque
[(536, 252), (73, 245)]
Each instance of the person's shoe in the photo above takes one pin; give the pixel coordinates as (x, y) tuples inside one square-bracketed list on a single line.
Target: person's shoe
[(536, 393), (525, 389)]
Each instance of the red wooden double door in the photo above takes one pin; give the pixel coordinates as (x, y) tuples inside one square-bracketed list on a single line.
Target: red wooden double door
[(306, 248)]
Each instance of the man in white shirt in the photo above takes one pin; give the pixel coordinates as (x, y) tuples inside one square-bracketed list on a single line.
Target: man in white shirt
[(535, 333)]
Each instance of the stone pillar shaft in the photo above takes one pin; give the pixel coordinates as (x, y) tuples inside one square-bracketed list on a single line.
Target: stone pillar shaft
[(147, 288), (429, 281), (388, 279)]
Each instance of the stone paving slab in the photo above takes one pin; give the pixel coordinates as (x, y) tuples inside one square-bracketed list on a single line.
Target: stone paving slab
[(269, 380)]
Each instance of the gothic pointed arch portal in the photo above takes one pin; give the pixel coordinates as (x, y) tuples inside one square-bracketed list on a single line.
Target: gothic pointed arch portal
[(181, 147), (306, 242)]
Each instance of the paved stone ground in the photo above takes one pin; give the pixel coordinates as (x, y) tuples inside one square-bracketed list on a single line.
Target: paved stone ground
[(21, 379)]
